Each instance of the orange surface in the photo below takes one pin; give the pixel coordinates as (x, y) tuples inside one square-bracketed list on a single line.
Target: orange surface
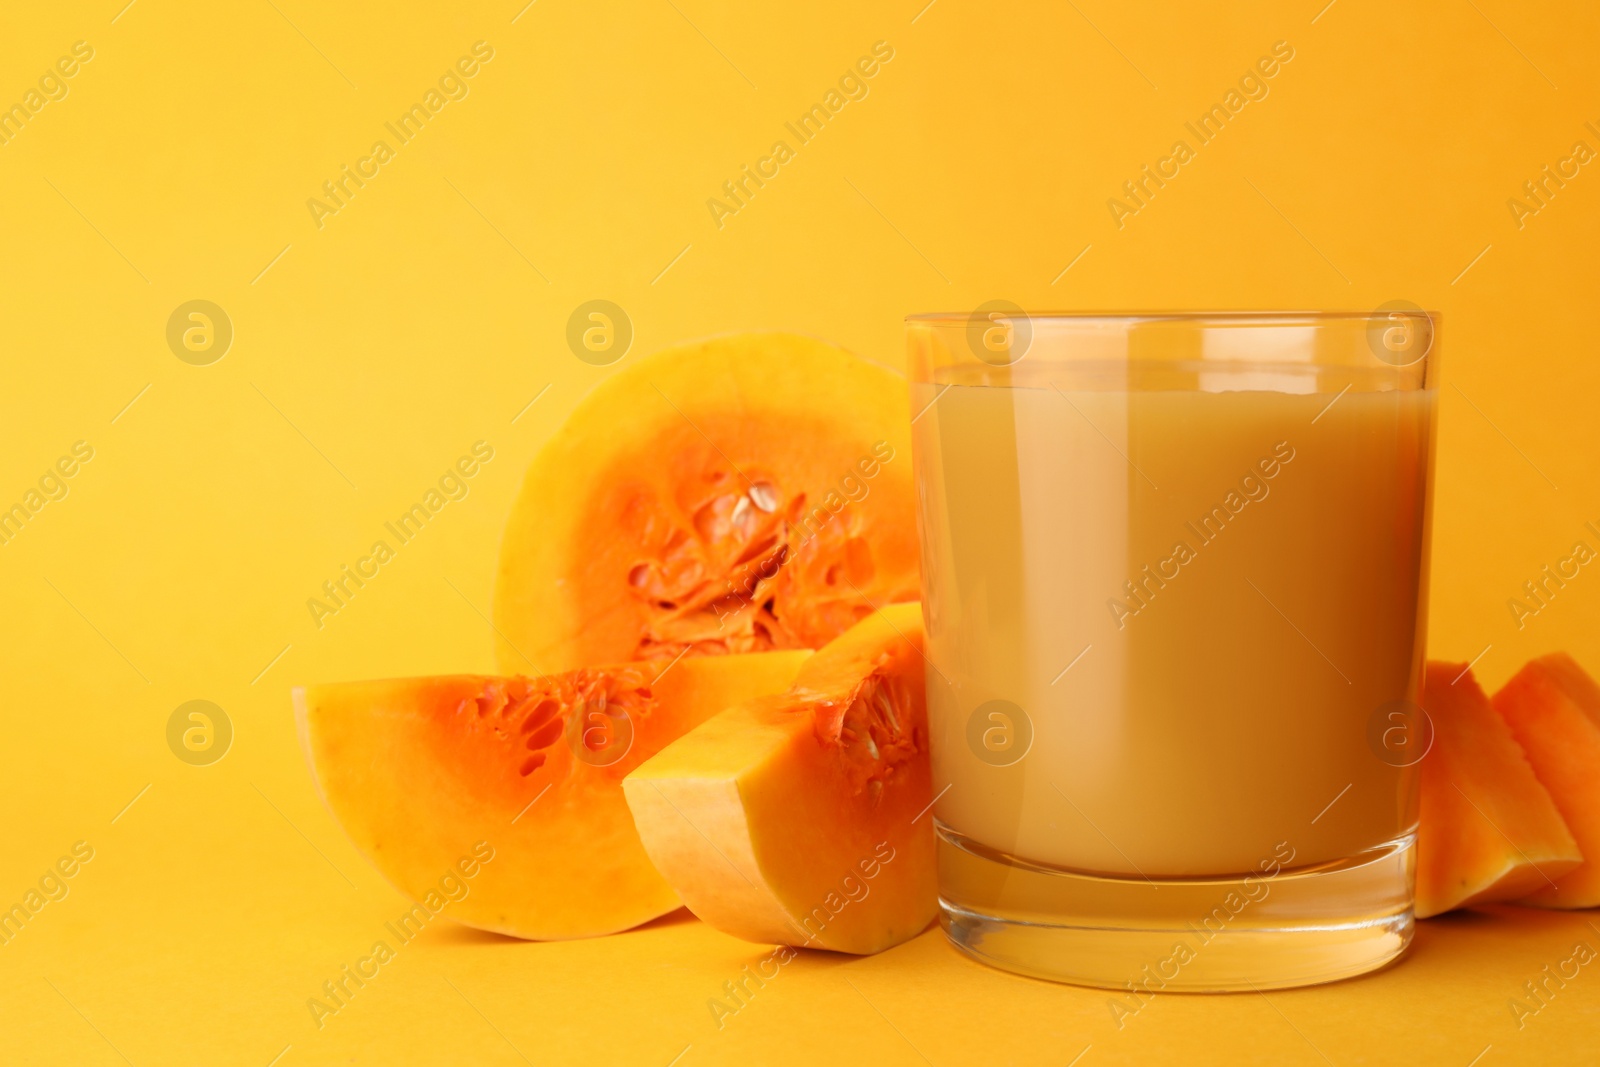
[(371, 348)]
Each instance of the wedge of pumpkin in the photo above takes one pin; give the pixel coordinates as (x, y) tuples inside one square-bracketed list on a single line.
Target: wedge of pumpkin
[(419, 770), (738, 494), (1487, 830), (1553, 709), (802, 819)]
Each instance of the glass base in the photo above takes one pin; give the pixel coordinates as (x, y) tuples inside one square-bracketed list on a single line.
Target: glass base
[(1300, 926)]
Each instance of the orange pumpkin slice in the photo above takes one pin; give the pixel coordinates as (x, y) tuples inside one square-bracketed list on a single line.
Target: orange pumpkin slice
[(802, 819), (734, 495), (419, 770), (1553, 709), (1487, 829)]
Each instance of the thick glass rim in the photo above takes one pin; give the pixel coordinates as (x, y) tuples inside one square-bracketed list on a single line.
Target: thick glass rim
[(1390, 347), (1211, 317)]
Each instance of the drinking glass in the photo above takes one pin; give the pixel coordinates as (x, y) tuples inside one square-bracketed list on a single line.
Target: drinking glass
[(1174, 575)]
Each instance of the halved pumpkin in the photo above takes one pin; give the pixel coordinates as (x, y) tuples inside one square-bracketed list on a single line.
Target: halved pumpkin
[(802, 819), (418, 770), (734, 495), (1487, 829), (1553, 709)]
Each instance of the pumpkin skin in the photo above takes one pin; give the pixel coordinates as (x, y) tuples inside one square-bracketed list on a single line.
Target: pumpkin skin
[(1553, 709), (1487, 831), (802, 819), (739, 494), (418, 770)]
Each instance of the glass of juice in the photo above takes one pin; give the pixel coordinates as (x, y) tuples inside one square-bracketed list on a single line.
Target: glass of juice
[(1174, 575)]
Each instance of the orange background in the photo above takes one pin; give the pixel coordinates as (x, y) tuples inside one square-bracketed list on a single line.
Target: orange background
[(425, 315)]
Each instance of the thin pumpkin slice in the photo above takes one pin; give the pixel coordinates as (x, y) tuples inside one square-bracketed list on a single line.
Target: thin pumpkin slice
[(738, 494), (419, 770), (1487, 830), (802, 819), (1553, 709)]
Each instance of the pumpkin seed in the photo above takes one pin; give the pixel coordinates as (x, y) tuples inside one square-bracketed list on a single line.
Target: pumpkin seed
[(882, 700), (764, 495)]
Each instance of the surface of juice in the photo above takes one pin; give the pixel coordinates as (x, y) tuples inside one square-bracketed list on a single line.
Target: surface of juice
[(1188, 610)]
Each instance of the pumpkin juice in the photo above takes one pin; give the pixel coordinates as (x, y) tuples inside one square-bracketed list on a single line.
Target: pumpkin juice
[(1174, 633)]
